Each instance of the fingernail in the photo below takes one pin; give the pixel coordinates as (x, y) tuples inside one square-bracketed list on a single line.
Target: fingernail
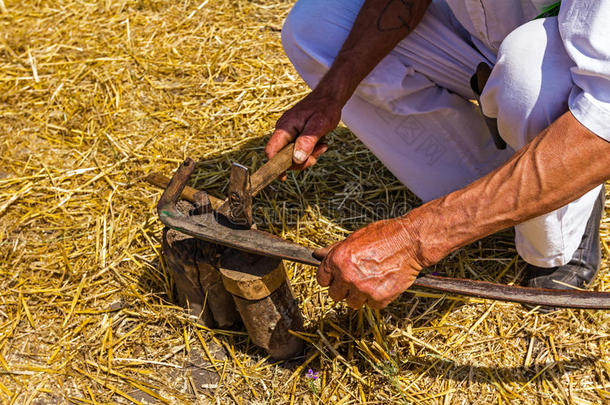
[(300, 156)]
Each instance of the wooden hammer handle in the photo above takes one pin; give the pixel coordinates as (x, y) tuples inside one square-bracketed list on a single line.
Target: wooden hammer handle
[(271, 170)]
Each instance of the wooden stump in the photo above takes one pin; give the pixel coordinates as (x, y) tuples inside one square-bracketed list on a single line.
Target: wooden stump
[(264, 300), (222, 285), (193, 265)]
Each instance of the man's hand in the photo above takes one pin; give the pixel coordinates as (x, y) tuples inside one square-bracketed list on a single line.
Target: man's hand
[(373, 265), (307, 122)]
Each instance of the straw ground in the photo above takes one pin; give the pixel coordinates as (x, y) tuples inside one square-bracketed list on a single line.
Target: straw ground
[(93, 96)]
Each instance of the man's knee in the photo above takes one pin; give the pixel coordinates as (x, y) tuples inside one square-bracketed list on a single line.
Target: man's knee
[(313, 33), (530, 83), (294, 31)]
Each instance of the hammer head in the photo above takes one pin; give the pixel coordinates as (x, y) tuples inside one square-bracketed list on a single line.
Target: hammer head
[(237, 209)]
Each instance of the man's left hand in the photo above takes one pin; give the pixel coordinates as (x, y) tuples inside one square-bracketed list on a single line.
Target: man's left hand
[(372, 266)]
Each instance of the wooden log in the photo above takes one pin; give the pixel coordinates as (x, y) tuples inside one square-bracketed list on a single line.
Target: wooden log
[(250, 276), (193, 266), (265, 301)]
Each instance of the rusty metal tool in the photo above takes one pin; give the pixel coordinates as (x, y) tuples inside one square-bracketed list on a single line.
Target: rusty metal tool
[(258, 181), (210, 227)]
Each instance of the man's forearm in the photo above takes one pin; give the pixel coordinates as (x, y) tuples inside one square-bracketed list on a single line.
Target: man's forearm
[(561, 164), (378, 28)]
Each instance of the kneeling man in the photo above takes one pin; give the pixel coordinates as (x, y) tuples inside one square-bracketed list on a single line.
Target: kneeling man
[(534, 155)]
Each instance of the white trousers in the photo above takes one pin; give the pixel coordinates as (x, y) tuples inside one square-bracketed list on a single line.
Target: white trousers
[(413, 111)]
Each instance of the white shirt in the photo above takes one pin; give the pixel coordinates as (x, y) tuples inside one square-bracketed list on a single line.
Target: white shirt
[(584, 26)]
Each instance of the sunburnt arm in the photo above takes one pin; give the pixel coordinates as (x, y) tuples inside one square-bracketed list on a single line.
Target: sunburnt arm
[(378, 28), (378, 262)]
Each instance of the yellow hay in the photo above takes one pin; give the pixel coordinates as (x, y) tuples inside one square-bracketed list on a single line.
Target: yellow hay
[(95, 95)]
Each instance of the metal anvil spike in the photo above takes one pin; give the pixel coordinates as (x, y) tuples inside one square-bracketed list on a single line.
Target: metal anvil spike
[(237, 209), (210, 226)]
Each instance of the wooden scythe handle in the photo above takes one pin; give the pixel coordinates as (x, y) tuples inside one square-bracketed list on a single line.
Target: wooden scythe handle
[(188, 194), (258, 181)]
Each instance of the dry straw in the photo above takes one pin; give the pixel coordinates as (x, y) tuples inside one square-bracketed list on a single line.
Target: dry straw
[(93, 96)]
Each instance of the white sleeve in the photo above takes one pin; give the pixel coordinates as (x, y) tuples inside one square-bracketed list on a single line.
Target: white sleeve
[(584, 26)]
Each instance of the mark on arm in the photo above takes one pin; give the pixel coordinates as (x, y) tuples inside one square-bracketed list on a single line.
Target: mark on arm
[(395, 15)]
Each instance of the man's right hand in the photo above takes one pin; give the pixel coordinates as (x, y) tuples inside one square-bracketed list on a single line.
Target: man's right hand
[(307, 122)]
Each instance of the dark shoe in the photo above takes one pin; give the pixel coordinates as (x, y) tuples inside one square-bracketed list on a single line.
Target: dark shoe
[(578, 272)]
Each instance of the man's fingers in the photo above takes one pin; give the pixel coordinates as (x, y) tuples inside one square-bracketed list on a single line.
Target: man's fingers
[(280, 138), (312, 132), (381, 304), (378, 305), (355, 299), (324, 275), (338, 290), (319, 149), (322, 252), (303, 147), (312, 160)]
